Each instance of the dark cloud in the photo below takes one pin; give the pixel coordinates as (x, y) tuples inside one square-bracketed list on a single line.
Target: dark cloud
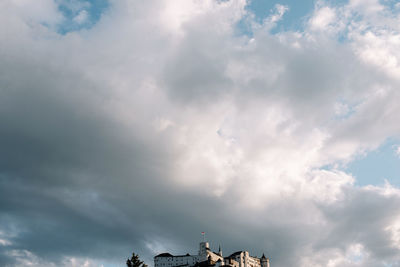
[(138, 135)]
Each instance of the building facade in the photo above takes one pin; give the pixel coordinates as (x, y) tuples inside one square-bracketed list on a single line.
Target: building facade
[(207, 258)]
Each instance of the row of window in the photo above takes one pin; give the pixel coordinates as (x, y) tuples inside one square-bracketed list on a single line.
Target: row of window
[(168, 264)]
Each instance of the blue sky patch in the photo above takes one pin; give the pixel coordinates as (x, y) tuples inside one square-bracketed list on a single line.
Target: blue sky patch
[(80, 14), (378, 165), (294, 18)]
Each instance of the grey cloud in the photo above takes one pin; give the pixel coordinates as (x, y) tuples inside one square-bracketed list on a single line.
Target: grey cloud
[(193, 71), (78, 179), (363, 219)]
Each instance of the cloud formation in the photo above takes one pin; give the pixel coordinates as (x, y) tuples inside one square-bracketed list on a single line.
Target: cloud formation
[(164, 120)]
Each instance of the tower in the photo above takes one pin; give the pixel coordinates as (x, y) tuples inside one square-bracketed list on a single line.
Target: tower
[(220, 251), (264, 261), (203, 248)]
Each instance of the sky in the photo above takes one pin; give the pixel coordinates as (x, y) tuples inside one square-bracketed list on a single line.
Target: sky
[(273, 126)]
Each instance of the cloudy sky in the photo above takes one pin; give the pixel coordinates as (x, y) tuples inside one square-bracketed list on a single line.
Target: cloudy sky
[(129, 125)]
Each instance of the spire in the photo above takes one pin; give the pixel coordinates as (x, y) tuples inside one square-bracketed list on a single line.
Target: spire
[(204, 236), (263, 256), (220, 250)]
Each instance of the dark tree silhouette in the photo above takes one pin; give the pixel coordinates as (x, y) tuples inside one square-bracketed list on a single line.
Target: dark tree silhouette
[(134, 261)]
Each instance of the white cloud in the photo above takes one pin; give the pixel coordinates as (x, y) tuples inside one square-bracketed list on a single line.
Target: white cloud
[(31, 12), (5, 242), (280, 10), (82, 17), (160, 116), (394, 232), (323, 18), (369, 7)]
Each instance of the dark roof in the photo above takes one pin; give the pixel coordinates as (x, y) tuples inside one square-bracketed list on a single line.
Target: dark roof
[(263, 256), (236, 253), (169, 255), (163, 255)]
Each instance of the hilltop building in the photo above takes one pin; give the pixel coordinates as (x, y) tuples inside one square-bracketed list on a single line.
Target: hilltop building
[(208, 258)]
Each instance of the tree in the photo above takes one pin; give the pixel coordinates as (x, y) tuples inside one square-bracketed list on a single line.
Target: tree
[(134, 261)]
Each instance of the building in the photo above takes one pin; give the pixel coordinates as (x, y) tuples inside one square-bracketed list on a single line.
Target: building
[(208, 258)]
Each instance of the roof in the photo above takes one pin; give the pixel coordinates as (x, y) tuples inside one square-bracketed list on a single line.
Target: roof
[(169, 255), (164, 255)]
